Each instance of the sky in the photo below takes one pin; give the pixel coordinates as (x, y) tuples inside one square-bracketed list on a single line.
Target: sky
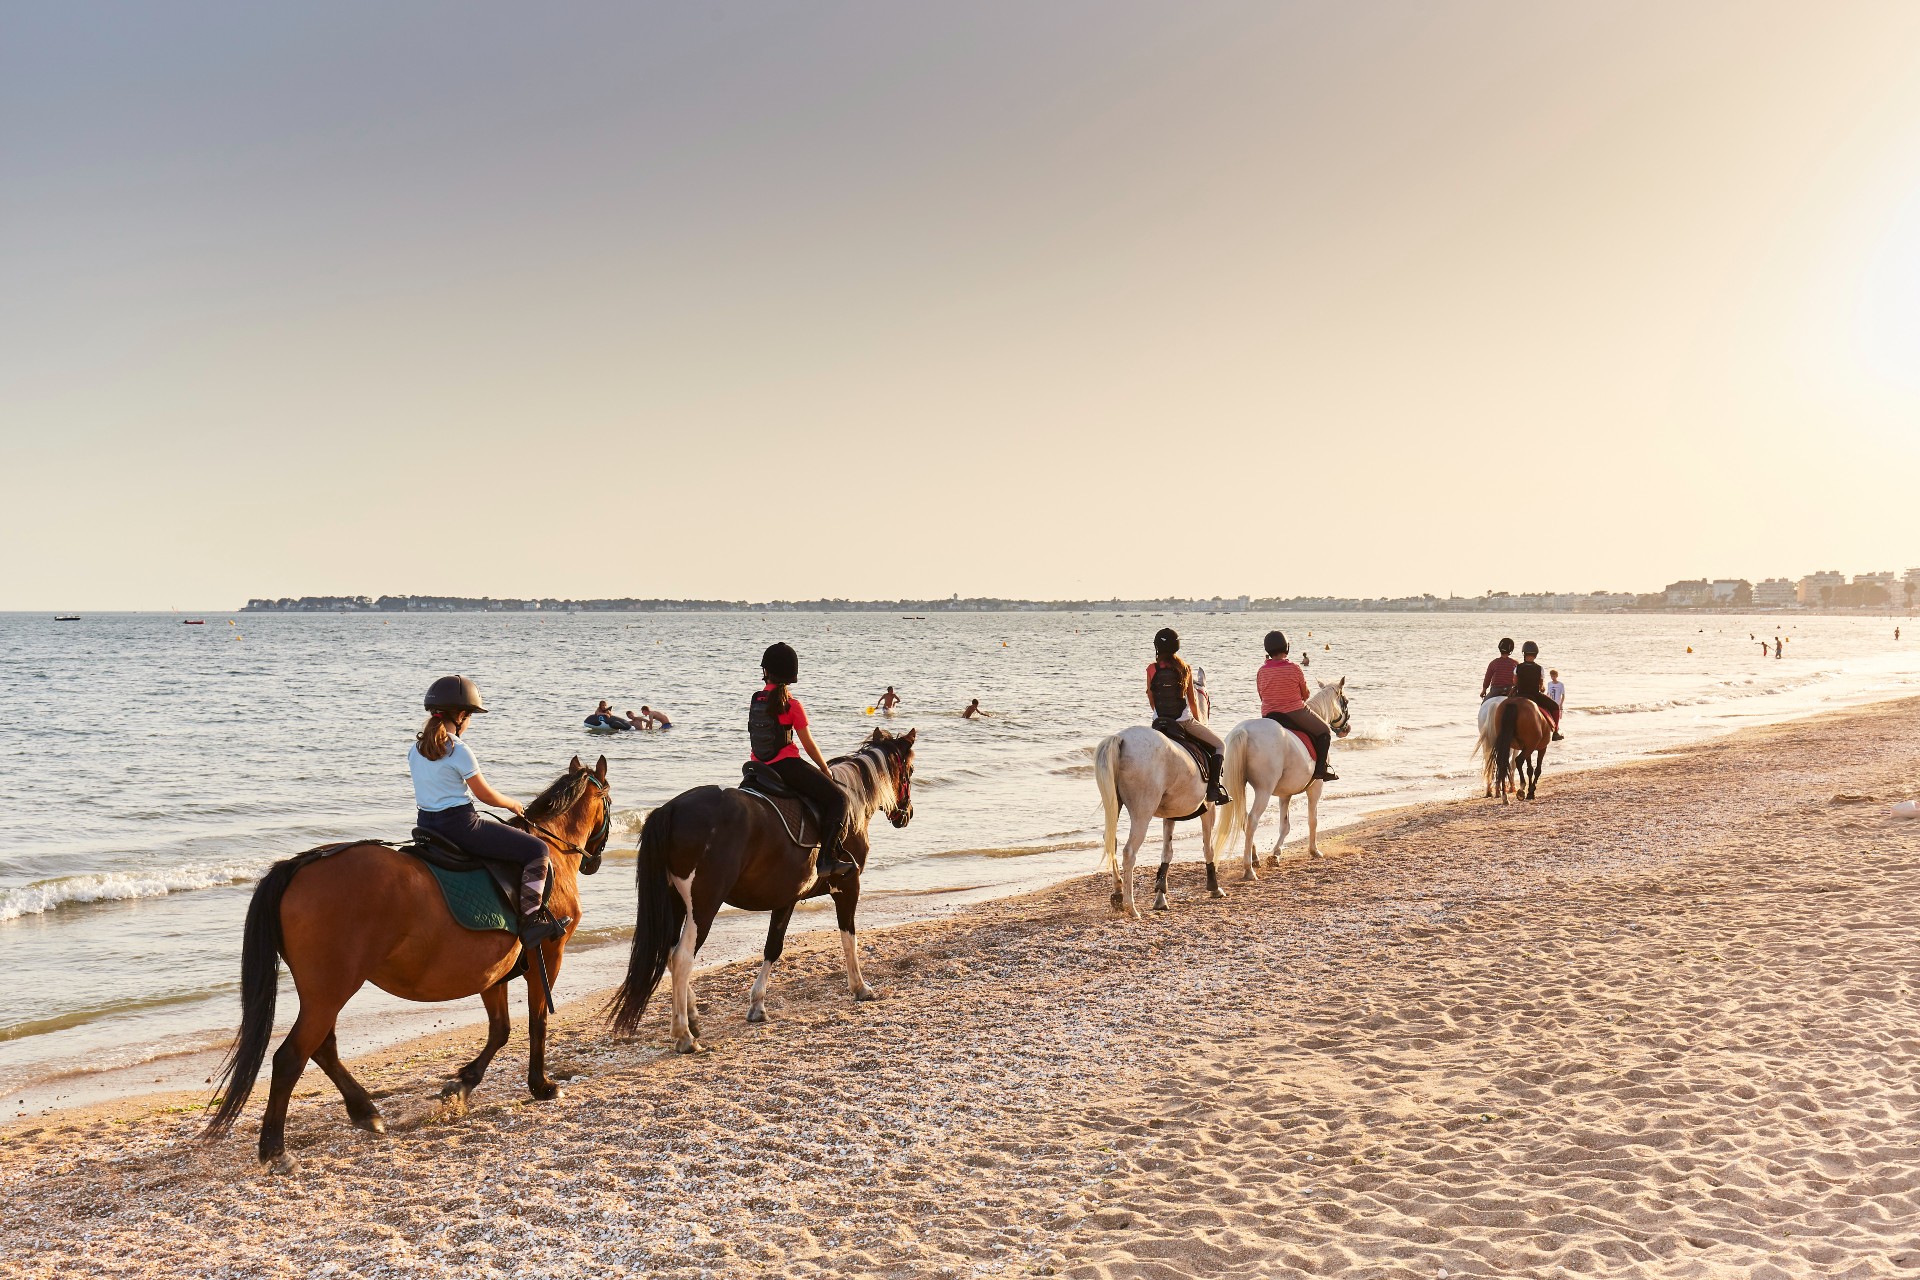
[(1068, 300)]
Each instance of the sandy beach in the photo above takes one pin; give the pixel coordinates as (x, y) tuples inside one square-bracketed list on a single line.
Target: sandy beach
[(1661, 1022)]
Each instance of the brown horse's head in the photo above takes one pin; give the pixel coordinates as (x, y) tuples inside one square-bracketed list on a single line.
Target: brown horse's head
[(567, 806), (896, 757)]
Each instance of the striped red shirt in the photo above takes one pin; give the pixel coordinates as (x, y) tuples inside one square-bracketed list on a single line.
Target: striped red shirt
[(1282, 685)]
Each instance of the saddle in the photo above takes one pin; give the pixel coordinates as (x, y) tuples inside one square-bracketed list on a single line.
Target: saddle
[(795, 811), (459, 874), (1171, 729)]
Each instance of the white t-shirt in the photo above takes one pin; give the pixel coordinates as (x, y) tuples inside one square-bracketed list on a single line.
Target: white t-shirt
[(1558, 692), (442, 784)]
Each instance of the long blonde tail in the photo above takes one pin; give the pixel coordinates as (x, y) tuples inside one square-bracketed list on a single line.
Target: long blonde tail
[(1230, 816), (1104, 761)]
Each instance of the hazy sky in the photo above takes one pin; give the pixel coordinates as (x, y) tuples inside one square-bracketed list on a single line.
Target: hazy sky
[(1059, 299)]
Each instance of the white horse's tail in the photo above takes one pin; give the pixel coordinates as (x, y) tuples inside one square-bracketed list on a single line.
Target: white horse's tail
[(1104, 763), (1230, 816), (1489, 728)]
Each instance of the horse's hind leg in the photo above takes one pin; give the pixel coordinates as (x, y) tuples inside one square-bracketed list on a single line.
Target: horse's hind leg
[(769, 956), (1260, 798), (310, 1029), (1286, 827), (1206, 846), (468, 1078), (360, 1108), (1166, 860), (1123, 904), (680, 964)]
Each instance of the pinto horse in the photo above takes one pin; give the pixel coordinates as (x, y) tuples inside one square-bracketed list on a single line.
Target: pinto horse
[(1273, 759), (1514, 735), (344, 915), (715, 845)]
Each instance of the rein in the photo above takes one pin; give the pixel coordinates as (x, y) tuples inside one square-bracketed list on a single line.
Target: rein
[(596, 843)]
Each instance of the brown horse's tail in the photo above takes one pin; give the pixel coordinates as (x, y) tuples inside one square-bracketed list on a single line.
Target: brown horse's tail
[(656, 923), (1509, 720), (259, 985)]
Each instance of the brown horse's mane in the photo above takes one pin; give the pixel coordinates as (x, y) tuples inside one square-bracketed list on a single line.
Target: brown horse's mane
[(561, 796)]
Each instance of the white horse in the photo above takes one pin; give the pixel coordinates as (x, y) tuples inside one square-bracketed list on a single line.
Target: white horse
[(1489, 731), (1277, 763), (1141, 769)]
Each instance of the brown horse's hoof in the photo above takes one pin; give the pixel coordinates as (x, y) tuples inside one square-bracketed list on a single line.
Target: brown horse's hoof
[(280, 1162), (1160, 903), (370, 1122), (866, 993), (756, 1014), (688, 1045), (1217, 892), (1118, 902)]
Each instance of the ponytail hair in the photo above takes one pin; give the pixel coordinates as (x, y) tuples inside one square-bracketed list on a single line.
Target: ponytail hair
[(778, 700), (436, 736)]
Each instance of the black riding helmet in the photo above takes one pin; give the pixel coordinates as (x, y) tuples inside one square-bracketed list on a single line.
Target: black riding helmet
[(1506, 645), (1529, 650), (781, 663), (454, 693), (1166, 642), (1276, 643)]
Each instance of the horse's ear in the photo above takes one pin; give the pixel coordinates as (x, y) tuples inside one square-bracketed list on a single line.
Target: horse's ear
[(911, 734), (574, 765), (1343, 682), (600, 769)]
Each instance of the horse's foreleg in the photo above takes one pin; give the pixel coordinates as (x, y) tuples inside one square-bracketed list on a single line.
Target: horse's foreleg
[(1123, 873), (1166, 860), (1313, 817), (360, 1108), (1206, 846), (1260, 797), (468, 1078), (846, 900), (769, 956), (680, 965), (539, 1083)]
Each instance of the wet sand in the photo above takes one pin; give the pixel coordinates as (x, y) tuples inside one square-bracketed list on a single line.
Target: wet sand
[(1661, 1022)]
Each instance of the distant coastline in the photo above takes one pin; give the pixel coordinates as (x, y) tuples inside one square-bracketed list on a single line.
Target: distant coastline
[(1493, 602)]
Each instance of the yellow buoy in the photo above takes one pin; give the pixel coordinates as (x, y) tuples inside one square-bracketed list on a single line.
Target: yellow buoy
[(869, 711), (1689, 648)]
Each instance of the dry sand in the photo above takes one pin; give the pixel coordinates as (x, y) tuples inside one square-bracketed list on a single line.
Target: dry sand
[(1662, 1022)]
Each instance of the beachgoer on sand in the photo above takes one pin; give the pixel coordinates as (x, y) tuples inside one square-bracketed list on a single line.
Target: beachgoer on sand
[(1170, 694), (446, 781), (1283, 691), (775, 719)]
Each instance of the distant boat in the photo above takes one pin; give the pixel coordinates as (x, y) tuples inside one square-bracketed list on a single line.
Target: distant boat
[(193, 622), (66, 617)]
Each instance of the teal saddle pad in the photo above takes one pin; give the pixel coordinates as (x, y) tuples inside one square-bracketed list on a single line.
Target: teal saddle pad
[(474, 899)]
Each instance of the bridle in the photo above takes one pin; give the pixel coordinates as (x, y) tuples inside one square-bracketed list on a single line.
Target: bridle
[(900, 813), (596, 845)]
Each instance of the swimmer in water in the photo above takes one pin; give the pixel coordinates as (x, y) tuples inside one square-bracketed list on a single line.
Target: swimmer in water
[(639, 721), (973, 709), (655, 719), (888, 701)]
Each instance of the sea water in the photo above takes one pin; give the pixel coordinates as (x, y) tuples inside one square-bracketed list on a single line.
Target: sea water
[(151, 771)]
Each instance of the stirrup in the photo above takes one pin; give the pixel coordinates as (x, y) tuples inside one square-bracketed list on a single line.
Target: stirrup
[(837, 864), (537, 926)]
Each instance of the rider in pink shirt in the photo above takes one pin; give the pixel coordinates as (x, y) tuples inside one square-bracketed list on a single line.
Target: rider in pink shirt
[(1283, 698)]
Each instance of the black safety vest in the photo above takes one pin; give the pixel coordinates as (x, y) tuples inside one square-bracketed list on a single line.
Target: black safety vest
[(764, 731), (1528, 678), (1169, 689)]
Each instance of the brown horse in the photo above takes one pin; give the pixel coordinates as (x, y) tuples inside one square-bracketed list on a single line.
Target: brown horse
[(712, 845), (1520, 746), (345, 915)]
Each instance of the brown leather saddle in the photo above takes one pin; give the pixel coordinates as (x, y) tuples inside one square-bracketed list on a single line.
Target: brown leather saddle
[(796, 814)]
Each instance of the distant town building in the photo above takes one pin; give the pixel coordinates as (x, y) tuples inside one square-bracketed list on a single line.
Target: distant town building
[(1734, 591), (1774, 593), (1819, 588), (1877, 579), (1689, 594)]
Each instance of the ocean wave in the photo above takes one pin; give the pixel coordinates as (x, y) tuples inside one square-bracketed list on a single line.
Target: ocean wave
[(43, 896), (1018, 851), (1735, 690)]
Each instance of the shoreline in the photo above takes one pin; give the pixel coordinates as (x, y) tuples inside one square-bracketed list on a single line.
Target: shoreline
[(175, 1070), (1656, 1023)]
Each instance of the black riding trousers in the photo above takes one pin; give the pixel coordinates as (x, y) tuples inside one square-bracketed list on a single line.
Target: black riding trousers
[(1316, 730), (823, 791)]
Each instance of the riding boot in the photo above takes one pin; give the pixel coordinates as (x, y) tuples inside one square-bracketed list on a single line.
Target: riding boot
[(1325, 774), (1216, 794), (832, 860), (537, 923), (1558, 736)]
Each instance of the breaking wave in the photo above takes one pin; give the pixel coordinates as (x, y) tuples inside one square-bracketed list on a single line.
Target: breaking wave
[(43, 896)]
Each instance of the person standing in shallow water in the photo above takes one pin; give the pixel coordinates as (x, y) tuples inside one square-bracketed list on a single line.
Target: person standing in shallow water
[(1283, 698), (775, 719)]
